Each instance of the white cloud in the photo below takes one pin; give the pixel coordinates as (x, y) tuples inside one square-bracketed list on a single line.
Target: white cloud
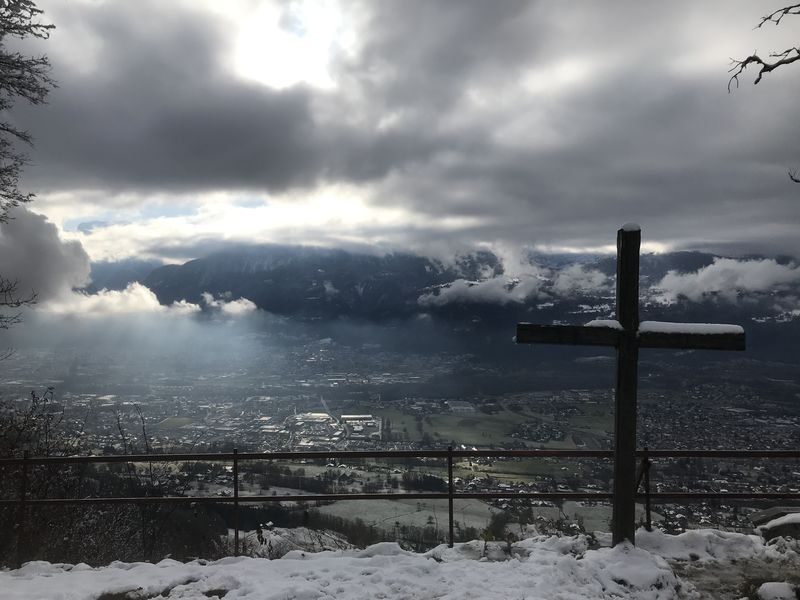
[(139, 299), (518, 286), (500, 290), (577, 278), (231, 308), (300, 51), (330, 289), (241, 306), (134, 299), (728, 277)]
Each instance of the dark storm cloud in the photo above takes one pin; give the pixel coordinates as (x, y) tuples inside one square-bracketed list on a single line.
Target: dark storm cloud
[(33, 255), (646, 131), (158, 110), (639, 139), (423, 55)]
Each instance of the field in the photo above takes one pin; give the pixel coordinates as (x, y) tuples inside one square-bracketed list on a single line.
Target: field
[(385, 514), (174, 422), (472, 430), (593, 423), (419, 513)]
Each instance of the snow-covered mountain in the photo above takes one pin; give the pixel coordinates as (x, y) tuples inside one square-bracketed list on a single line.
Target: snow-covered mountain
[(323, 283)]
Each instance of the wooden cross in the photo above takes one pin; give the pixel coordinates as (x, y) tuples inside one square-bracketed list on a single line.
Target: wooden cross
[(627, 334)]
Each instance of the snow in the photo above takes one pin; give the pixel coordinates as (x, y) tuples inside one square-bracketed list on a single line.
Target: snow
[(555, 567), (609, 323), (666, 327), (784, 520), (631, 227), (700, 544), (689, 328), (541, 568), (276, 542), (775, 590)]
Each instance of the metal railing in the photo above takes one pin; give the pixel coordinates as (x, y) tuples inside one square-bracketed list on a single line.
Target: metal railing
[(643, 477)]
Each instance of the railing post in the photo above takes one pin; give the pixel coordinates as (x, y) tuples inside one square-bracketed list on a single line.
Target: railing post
[(647, 463), (22, 512), (644, 476), (450, 493), (235, 503)]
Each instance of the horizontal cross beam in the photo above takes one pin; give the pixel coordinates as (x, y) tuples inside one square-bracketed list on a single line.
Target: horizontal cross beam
[(529, 333), (692, 341)]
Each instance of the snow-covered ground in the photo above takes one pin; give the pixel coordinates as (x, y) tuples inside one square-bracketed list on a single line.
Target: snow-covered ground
[(553, 568)]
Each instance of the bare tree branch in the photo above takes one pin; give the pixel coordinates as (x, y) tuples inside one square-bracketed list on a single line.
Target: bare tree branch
[(784, 58), (10, 300), (776, 16), (774, 61)]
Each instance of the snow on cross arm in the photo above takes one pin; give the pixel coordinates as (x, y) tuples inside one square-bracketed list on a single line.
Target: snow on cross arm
[(608, 323), (689, 328), (667, 327)]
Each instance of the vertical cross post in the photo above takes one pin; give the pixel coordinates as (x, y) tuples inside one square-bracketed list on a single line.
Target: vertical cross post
[(623, 518)]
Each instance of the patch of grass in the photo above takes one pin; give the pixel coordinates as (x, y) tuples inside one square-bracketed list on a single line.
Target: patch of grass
[(174, 422), (594, 423)]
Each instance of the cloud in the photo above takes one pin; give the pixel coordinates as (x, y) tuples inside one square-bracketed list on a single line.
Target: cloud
[(728, 278), (496, 290), (230, 308), (139, 299), (33, 253), (134, 299), (240, 306), (517, 123), (578, 278), (330, 289), (162, 107), (521, 287)]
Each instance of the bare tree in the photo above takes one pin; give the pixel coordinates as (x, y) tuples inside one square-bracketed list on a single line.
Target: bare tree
[(158, 525), (773, 61), (37, 428), (21, 77), (10, 302), (27, 78)]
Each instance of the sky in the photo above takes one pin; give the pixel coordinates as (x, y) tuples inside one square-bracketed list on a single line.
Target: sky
[(181, 127)]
